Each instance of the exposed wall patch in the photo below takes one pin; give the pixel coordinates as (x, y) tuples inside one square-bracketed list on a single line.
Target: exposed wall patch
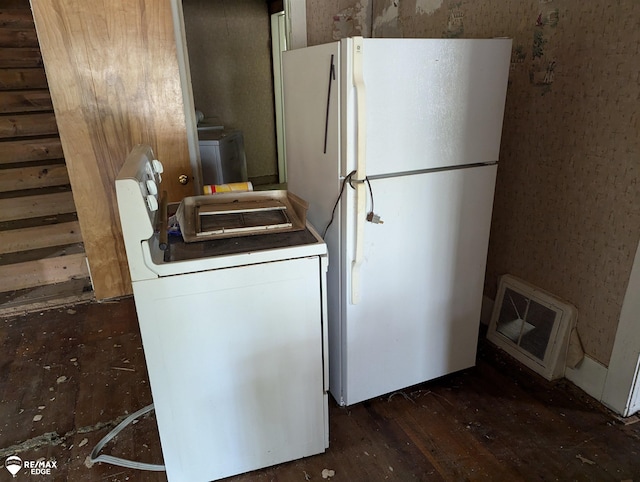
[(544, 48), (455, 23), (351, 21), (386, 23), (427, 7)]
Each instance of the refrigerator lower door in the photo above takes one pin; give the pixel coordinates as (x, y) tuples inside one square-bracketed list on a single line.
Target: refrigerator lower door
[(421, 282)]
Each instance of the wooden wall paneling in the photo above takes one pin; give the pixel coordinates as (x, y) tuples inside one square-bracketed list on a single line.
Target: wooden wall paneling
[(40, 272), (33, 177), (115, 82), (36, 206), (26, 239)]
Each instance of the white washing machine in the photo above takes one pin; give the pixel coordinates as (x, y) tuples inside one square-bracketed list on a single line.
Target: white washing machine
[(234, 335), (222, 155)]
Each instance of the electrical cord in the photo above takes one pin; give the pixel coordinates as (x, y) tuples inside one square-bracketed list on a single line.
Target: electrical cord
[(333, 211), (94, 457), (370, 192), (371, 216)]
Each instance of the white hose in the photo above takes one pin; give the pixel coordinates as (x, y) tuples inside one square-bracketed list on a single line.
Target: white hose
[(94, 457)]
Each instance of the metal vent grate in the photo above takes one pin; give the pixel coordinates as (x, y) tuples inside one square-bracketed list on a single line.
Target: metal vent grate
[(532, 326)]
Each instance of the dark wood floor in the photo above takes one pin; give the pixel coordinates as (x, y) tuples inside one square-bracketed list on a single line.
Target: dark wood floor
[(69, 375)]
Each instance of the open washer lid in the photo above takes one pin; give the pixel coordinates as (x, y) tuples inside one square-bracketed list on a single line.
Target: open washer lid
[(234, 214)]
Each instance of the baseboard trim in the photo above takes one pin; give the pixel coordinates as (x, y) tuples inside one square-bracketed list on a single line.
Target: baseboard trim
[(589, 376)]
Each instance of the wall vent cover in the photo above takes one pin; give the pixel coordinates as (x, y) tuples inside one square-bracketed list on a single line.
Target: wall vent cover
[(532, 325)]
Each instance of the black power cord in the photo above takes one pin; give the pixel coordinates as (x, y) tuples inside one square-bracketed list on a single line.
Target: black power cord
[(346, 180)]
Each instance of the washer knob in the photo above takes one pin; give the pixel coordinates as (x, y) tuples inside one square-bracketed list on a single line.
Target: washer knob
[(157, 166), (151, 187), (152, 203)]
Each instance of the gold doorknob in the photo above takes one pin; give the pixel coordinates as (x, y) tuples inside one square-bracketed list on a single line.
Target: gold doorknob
[(183, 179)]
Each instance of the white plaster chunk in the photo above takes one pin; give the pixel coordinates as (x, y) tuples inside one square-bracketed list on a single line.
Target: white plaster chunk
[(328, 473)]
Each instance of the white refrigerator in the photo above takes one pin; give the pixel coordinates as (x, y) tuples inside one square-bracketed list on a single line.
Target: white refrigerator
[(408, 130)]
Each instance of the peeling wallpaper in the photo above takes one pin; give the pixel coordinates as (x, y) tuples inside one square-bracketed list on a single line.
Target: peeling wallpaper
[(351, 21), (567, 206), (427, 6), (331, 20), (385, 21)]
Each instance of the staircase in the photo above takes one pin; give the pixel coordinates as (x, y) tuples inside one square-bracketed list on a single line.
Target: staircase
[(42, 257)]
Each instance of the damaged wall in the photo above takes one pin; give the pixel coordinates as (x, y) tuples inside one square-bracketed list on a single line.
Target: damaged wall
[(335, 19), (567, 206)]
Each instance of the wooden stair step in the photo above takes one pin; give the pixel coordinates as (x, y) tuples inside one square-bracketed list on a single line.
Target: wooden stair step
[(38, 221), (16, 18), (36, 206), (43, 272), (20, 57), (20, 79), (13, 37), (25, 101), (40, 253), (33, 177), (26, 239), (26, 150), (22, 125)]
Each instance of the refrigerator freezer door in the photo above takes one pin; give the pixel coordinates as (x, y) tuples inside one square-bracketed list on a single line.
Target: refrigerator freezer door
[(312, 127), (431, 103), (421, 283), (313, 168)]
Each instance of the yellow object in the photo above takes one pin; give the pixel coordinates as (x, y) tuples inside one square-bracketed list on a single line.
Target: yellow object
[(234, 186)]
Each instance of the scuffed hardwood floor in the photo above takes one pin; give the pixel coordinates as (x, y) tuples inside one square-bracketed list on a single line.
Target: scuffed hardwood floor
[(70, 374)]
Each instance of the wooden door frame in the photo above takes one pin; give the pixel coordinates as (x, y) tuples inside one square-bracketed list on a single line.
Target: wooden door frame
[(279, 45), (187, 94)]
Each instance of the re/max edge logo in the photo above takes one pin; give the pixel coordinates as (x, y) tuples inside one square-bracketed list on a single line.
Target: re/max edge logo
[(14, 464)]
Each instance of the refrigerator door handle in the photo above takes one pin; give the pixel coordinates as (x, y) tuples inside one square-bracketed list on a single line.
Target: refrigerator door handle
[(361, 199)]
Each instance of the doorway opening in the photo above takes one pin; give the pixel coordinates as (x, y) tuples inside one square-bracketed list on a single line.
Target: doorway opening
[(234, 51)]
